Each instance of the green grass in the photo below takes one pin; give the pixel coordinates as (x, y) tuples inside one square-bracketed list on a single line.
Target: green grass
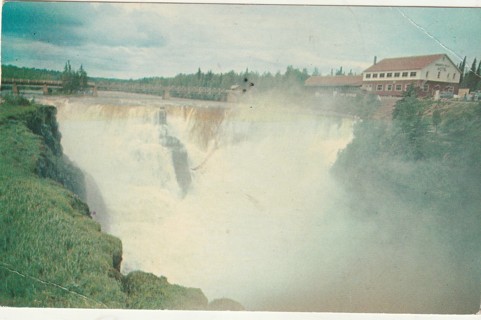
[(52, 254), (146, 291)]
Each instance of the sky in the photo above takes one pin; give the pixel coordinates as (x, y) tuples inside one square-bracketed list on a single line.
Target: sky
[(135, 40)]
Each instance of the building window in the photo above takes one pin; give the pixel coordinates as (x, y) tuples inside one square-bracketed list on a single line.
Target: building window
[(389, 75), (374, 75), (381, 75), (454, 75), (412, 74), (389, 87), (439, 74), (426, 88), (379, 87), (399, 87), (450, 89), (396, 75), (368, 75), (406, 87), (427, 74), (405, 74), (448, 75)]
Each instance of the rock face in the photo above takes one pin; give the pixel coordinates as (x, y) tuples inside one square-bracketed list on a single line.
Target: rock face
[(52, 254), (52, 163), (225, 304), (146, 291)]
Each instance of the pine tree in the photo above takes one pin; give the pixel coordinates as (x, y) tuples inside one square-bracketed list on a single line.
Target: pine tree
[(471, 79), (73, 81), (478, 76), (83, 79), (462, 65), (67, 78)]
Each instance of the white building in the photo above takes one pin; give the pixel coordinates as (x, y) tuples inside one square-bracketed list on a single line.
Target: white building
[(428, 74)]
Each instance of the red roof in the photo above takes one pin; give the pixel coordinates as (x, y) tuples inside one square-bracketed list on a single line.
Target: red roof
[(404, 63), (334, 81)]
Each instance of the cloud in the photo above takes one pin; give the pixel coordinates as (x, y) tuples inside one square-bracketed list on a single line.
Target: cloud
[(75, 24), (137, 40), (42, 22)]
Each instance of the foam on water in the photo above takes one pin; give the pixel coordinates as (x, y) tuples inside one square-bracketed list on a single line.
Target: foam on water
[(252, 224)]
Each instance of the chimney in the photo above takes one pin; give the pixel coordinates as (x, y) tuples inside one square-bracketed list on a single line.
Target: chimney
[(375, 59)]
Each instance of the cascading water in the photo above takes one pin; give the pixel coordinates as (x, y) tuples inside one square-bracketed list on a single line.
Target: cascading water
[(231, 200)]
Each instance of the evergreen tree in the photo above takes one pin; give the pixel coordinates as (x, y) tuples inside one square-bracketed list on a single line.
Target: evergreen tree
[(462, 65), (73, 81), (408, 115), (67, 78), (471, 79), (478, 76), (83, 79)]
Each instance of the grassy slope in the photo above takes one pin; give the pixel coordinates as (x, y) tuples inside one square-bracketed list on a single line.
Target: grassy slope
[(52, 254)]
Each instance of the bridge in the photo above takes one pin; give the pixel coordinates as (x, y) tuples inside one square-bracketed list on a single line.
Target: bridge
[(45, 85), (228, 95)]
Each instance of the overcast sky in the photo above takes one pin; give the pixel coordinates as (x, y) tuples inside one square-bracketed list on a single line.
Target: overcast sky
[(141, 40)]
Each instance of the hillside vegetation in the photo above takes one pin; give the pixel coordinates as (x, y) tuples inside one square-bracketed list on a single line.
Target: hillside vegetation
[(52, 254), (416, 181)]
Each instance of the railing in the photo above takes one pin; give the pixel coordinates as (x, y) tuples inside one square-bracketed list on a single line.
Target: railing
[(37, 82)]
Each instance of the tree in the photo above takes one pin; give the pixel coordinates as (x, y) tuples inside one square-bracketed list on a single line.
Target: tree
[(408, 115), (83, 79), (67, 78), (462, 65), (471, 78), (74, 82), (478, 74)]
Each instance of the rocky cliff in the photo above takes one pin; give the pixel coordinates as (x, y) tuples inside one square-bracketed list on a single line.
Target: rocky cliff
[(52, 254)]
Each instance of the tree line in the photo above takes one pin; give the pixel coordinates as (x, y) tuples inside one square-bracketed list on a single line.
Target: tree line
[(72, 81), (10, 71), (470, 76)]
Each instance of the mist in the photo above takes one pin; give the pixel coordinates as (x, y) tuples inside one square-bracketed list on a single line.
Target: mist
[(252, 211)]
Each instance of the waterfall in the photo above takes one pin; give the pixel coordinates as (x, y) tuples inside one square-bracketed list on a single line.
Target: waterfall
[(233, 200)]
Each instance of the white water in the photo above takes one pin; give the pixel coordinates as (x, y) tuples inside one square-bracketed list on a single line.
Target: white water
[(258, 221)]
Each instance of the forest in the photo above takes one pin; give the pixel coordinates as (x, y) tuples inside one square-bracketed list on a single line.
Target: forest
[(417, 181), (291, 80)]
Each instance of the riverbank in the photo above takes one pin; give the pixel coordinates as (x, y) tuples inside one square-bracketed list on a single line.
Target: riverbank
[(52, 253)]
